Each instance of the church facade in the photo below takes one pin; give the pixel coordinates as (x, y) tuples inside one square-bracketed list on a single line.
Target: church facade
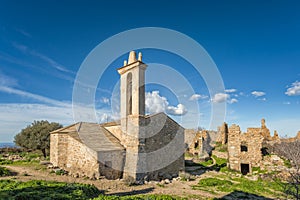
[(143, 147)]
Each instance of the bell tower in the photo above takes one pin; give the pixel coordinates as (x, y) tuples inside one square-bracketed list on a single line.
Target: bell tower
[(132, 89), (132, 107)]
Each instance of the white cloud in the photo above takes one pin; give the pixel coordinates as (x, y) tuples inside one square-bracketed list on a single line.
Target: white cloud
[(287, 103), (14, 117), (22, 93), (233, 100), (230, 90), (258, 93), (294, 90), (156, 103), (196, 97), (178, 110), (220, 97)]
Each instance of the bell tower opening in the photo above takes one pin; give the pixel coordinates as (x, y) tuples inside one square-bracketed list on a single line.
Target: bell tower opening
[(129, 94)]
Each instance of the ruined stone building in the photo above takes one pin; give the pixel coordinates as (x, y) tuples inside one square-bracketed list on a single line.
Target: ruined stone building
[(245, 150), (200, 143), (138, 145)]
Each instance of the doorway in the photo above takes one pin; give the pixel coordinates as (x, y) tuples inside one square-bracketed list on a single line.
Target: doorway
[(245, 169)]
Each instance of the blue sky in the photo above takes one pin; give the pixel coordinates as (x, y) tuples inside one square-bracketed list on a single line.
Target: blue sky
[(255, 45)]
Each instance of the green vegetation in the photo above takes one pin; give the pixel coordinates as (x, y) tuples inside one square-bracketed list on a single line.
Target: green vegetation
[(221, 163), (207, 163), (36, 136), (11, 190), (287, 163), (139, 197), (258, 170), (4, 171), (221, 147), (222, 184), (25, 158), (5, 162)]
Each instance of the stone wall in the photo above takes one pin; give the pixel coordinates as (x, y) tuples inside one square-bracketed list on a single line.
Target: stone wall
[(244, 148), (158, 150), (111, 163), (234, 147), (253, 141), (58, 149), (79, 160), (222, 133)]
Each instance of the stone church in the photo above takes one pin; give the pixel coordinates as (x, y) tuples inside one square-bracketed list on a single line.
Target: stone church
[(143, 147)]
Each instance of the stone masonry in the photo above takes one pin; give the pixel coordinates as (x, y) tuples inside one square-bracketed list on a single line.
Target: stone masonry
[(245, 150)]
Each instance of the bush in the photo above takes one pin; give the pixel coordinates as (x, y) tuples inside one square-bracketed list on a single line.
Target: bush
[(4, 171), (5, 162)]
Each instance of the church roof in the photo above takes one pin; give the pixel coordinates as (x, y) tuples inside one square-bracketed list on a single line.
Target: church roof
[(93, 136)]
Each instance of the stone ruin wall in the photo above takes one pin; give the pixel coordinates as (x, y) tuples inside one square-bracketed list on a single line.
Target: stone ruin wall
[(252, 144), (234, 147)]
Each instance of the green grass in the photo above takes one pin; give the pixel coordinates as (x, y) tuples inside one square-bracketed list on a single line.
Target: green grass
[(220, 161), (221, 147), (28, 159), (48, 190), (207, 163), (262, 188), (139, 197), (11, 190), (287, 163), (258, 170)]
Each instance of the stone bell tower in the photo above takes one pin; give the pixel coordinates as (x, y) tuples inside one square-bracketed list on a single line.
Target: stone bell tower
[(132, 89), (132, 106)]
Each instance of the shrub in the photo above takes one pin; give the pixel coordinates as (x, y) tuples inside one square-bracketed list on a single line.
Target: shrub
[(4, 171)]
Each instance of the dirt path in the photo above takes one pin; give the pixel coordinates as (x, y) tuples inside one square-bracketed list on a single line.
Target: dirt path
[(117, 187)]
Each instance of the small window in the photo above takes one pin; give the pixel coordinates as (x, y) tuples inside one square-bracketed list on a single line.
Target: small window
[(108, 164), (244, 148), (196, 145), (264, 151)]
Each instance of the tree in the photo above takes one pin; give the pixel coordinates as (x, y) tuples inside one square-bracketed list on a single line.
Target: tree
[(291, 151), (36, 136)]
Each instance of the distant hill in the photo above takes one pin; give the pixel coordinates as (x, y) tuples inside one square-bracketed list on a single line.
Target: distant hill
[(7, 144)]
